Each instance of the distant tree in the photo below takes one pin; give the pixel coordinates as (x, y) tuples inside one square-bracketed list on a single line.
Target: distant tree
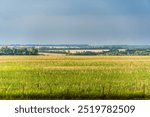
[(33, 51), (18, 51), (6, 51)]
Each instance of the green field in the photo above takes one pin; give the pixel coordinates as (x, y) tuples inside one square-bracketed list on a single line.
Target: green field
[(74, 77)]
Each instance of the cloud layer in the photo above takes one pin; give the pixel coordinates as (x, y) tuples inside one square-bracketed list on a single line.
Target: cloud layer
[(75, 21)]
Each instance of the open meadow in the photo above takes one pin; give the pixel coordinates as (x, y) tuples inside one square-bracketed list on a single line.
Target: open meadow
[(74, 77)]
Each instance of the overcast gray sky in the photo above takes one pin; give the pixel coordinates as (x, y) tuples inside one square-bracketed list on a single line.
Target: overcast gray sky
[(75, 22)]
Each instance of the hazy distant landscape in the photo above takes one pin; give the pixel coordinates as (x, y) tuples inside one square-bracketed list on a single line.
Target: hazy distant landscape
[(82, 50)]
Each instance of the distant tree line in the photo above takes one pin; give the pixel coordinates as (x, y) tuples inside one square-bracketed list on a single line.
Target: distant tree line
[(111, 52), (127, 52), (18, 51), (54, 51), (116, 52)]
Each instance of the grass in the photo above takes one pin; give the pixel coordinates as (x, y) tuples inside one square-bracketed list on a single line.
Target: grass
[(74, 77)]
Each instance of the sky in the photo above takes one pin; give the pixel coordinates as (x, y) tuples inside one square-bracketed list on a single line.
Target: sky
[(97, 22)]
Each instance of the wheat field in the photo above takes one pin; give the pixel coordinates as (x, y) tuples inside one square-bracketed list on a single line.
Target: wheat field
[(74, 77)]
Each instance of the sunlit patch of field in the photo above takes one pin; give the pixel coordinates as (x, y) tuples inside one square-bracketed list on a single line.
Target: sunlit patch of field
[(74, 77)]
